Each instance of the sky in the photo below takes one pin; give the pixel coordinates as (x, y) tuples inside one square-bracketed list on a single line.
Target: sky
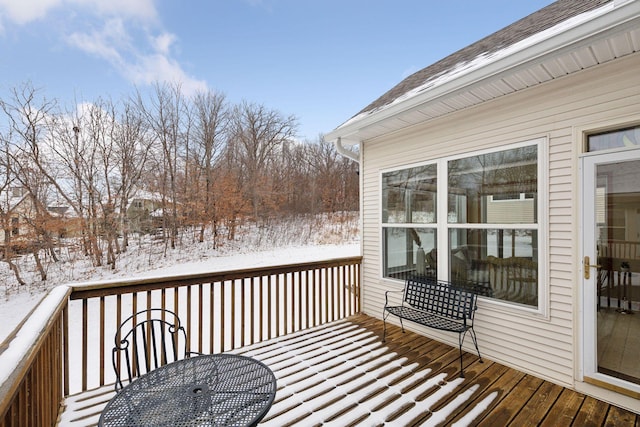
[(321, 61)]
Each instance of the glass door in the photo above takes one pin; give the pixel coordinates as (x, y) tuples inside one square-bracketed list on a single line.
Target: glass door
[(611, 268)]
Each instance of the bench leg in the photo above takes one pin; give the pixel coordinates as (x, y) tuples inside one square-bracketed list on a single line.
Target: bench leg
[(475, 342), (460, 341), (385, 314), (384, 327), (461, 337)]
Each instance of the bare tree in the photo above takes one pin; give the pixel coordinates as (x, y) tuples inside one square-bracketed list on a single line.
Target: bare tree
[(132, 149), (335, 176), (256, 133), (28, 114), (6, 178), (164, 114), (213, 165), (210, 124), (103, 129)]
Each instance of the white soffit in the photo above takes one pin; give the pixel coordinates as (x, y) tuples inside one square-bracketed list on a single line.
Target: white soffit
[(608, 32)]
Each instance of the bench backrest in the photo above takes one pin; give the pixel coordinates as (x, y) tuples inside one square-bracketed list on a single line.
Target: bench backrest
[(440, 298)]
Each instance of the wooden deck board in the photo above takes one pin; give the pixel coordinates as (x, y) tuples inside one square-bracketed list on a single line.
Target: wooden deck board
[(342, 374), (592, 412), (621, 417), (564, 409), (540, 403)]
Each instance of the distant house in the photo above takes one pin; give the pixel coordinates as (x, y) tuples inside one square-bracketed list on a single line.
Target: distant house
[(16, 209), (516, 161), (145, 212), (139, 210), (18, 215)]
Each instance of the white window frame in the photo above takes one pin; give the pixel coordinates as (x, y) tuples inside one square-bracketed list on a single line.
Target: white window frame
[(443, 227)]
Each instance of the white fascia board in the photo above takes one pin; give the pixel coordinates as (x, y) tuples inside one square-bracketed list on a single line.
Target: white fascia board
[(530, 50)]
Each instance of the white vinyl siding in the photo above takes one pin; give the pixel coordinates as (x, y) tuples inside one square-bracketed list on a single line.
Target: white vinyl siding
[(542, 344)]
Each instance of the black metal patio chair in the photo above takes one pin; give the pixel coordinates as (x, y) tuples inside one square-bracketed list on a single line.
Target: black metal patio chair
[(145, 341)]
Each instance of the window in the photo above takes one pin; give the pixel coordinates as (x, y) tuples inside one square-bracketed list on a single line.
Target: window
[(409, 218), (629, 137), (15, 226), (18, 191), (490, 231)]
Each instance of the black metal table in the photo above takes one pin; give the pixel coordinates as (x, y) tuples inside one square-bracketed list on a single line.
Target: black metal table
[(209, 390)]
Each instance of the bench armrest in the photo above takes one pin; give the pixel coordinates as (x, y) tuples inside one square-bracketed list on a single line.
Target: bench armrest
[(387, 293)]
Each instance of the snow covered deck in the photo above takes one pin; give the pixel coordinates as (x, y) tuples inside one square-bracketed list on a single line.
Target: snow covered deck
[(342, 374)]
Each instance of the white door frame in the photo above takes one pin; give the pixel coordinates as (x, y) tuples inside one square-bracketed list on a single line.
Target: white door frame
[(588, 371)]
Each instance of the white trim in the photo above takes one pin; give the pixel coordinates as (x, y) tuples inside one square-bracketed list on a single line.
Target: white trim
[(587, 361), (579, 135)]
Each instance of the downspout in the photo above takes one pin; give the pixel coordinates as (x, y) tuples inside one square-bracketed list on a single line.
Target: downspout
[(345, 151)]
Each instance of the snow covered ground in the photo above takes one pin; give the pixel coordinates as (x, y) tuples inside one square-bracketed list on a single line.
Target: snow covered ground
[(284, 243)]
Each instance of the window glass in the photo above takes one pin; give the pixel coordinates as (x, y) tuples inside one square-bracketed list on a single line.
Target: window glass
[(494, 188), (409, 195), (408, 251), (504, 260), (617, 139)]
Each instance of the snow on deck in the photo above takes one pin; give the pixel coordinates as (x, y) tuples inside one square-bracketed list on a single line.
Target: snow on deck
[(342, 375), (335, 375)]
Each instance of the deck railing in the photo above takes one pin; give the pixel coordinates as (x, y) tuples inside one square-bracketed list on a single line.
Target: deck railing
[(71, 351)]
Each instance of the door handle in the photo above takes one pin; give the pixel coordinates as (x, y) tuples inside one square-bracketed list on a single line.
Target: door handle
[(587, 266)]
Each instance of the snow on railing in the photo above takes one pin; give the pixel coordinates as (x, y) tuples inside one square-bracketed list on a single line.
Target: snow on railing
[(31, 376)]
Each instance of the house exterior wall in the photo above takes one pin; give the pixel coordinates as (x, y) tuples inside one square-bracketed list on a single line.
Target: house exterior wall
[(17, 224), (545, 344), (139, 214)]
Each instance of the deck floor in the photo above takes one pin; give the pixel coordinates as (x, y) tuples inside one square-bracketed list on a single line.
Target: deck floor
[(341, 374)]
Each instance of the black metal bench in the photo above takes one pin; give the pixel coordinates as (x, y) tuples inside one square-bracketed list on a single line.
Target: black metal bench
[(437, 304)]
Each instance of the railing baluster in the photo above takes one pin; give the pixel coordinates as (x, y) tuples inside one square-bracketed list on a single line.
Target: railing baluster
[(269, 306), (102, 340), (277, 305), (298, 286), (188, 324), (336, 294), (233, 314), (345, 288), (222, 316), (200, 317), (286, 305), (308, 297), (85, 337), (65, 347), (176, 300), (261, 302), (243, 314)]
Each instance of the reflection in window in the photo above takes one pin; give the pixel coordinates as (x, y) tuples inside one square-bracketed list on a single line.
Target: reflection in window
[(409, 195), (629, 137), (407, 251), (503, 259), (494, 188)]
